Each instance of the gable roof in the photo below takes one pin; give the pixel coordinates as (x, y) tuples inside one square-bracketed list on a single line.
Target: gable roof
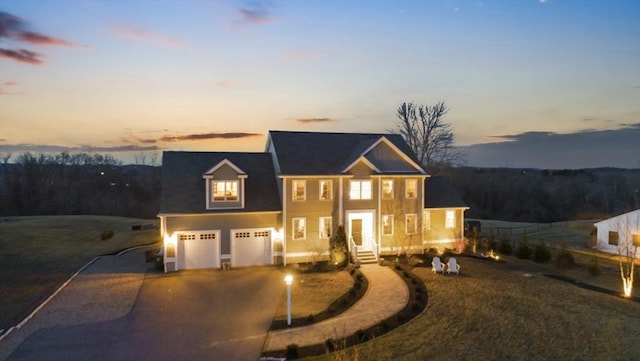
[(224, 162), (320, 153), (439, 192), (183, 186)]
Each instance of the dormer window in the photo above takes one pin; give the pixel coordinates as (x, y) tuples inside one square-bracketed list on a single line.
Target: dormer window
[(224, 191)]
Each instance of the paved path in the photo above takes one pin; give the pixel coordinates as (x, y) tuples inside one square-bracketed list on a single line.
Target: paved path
[(386, 295)]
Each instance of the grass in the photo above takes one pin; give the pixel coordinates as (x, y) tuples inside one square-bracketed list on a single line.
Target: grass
[(492, 311), (572, 233), (37, 254)]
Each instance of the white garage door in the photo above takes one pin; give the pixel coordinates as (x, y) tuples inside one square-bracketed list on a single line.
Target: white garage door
[(199, 250), (250, 247)]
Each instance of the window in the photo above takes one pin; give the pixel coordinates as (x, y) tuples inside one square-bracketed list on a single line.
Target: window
[(360, 189), (450, 219), (325, 227), (636, 239), (613, 238), (411, 188), (299, 190), (225, 191), (426, 220), (387, 225), (326, 190), (387, 189), (299, 228), (410, 223)]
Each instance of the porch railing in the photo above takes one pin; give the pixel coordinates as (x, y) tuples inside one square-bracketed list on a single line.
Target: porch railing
[(354, 248)]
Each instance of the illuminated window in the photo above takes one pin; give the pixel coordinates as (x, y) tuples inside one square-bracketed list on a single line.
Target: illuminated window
[(360, 189), (325, 227), (613, 238), (410, 224), (326, 190), (450, 219), (636, 239), (411, 188), (299, 190), (426, 220), (299, 228), (387, 189), (387, 225), (225, 191)]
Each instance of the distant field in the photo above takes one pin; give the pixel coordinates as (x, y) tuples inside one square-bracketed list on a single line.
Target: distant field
[(572, 233), (37, 254)]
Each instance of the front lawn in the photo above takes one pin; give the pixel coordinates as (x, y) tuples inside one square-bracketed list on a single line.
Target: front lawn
[(38, 254), (505, 311)]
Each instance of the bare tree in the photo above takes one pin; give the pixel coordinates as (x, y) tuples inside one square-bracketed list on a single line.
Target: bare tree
[(428, 135), (628, 252)]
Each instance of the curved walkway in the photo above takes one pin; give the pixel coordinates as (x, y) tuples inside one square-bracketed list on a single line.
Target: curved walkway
[(387, 295)]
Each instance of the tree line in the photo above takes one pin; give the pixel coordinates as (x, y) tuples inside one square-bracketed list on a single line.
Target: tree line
[(69, 184)]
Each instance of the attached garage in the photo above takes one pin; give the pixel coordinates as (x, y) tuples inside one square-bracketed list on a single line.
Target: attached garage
[(250, 247), (199, 250)]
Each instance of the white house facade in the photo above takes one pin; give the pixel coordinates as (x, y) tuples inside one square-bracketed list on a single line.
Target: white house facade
[(620, 234)]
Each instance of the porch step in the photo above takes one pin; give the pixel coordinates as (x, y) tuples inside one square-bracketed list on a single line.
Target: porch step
[(367, 257)]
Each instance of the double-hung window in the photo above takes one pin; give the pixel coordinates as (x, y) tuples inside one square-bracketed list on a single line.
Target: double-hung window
[(326, 190), (410, 224), (299, 228), (224, 191), (426, 220), (411, 188), (360, 189), (324, 227), (299, 190), (450, 219), (387, 225), (387, 189)]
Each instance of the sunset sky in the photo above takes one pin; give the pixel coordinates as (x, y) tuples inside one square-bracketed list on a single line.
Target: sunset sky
[(529, 83)]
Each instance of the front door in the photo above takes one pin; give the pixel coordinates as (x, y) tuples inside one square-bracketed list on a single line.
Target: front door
[(360, 224)]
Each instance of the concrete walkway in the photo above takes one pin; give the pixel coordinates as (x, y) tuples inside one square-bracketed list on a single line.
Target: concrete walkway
[(386, 295)]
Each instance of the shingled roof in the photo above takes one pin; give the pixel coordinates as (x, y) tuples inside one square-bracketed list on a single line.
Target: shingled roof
[(319, 153), (183, 188), (439, 192)]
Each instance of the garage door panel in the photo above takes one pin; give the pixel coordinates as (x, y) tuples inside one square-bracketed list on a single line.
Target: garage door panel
[(199, 250), (251, 247)]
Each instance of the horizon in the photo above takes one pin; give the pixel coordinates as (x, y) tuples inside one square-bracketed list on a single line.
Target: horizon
[(539, 84)]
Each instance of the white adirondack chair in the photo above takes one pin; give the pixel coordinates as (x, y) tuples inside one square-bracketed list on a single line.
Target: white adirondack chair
[(437, 265), (453, 266)]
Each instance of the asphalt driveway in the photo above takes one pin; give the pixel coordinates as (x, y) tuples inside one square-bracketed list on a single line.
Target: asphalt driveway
[(190, 315)]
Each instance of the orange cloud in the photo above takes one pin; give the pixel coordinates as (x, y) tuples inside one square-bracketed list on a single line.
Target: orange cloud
[(40, 39), (315, 120), (196, 137), (147, 36), (10, 83)]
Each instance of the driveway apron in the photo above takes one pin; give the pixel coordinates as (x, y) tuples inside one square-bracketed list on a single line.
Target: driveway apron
[(203, 315)]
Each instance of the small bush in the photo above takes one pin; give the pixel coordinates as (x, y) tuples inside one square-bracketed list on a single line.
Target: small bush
[(310, 318), (384, 325), (504, 247), (398, 267), (106, 235), (564, 259), (594, 267), (541, 253), (292, 351), (405, 273), (330, 344), (360, 336), (523, 250)]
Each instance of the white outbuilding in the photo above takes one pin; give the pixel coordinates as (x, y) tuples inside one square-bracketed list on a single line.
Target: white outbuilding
[(620, 235)]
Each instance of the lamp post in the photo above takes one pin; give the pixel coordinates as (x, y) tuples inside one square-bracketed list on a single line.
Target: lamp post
[(288, 279)]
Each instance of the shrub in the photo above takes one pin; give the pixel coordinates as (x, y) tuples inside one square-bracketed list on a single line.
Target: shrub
[(338, 249), (523, 251), (310, 318), (504, 247), (360, 336), (106, 234), (405, 273), (564, 259), (330, 344), (541, 253), (594, 267), (384, 325), (292, 351)]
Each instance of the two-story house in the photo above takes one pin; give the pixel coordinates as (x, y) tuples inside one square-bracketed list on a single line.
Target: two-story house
[(282, 206)]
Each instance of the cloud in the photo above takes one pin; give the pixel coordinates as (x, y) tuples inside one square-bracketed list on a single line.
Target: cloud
[(584, 149), (48, 148), (223, 84), (10, 83), (256, 12), (140, 34), (15, 29), (315, 120), (196, 137), (22, 55)]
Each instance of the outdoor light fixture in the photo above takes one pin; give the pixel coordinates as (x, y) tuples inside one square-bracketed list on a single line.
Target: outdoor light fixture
[(288, 279)]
